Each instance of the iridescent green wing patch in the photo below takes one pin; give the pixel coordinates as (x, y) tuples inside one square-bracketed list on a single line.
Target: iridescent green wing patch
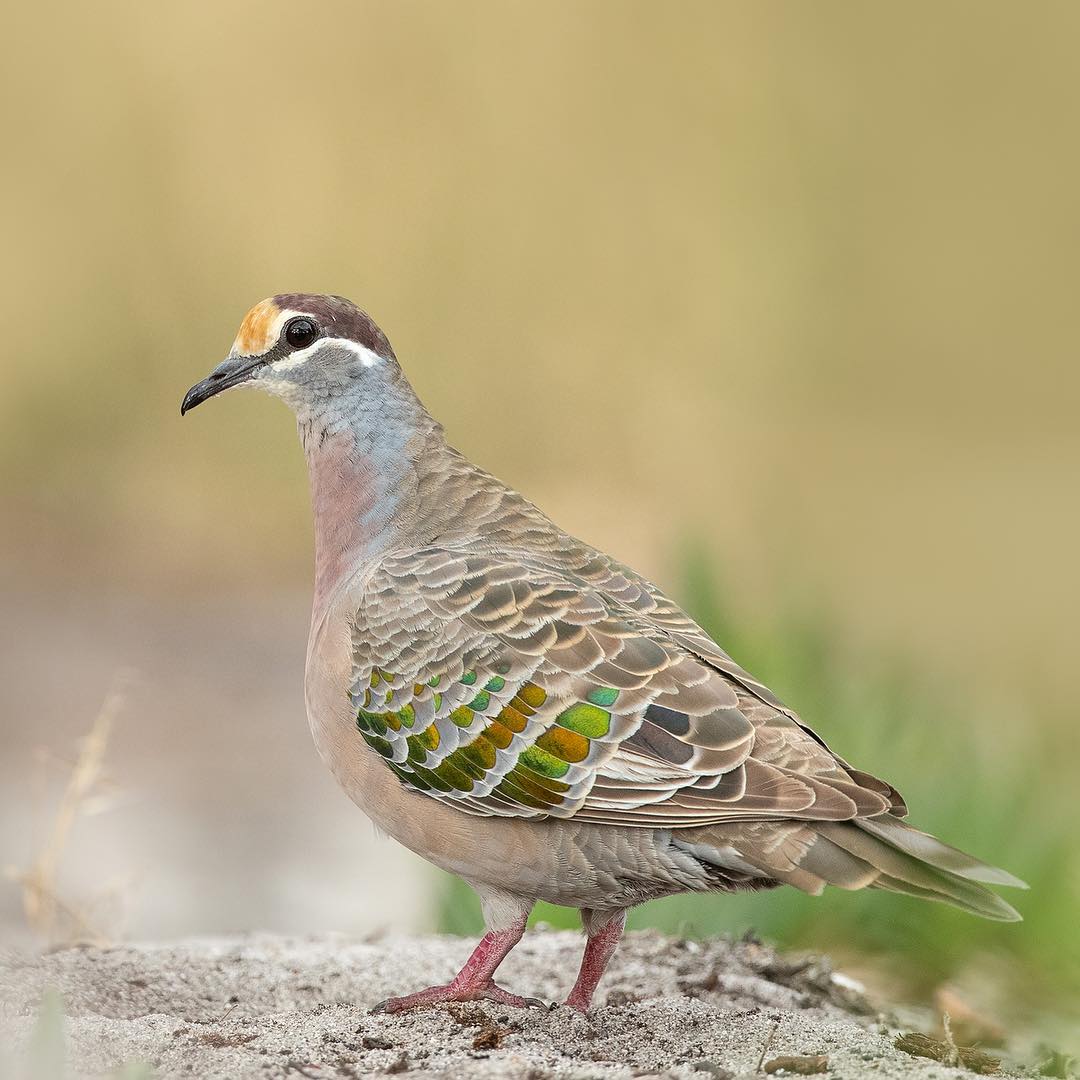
[(488, 737)]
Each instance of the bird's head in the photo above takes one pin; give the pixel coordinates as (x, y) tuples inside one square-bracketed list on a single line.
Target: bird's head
[(307, 349)]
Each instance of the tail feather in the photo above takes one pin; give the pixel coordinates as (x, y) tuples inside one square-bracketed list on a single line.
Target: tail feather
[(930, 849), (986, 904), (898, 870), (875, 853)]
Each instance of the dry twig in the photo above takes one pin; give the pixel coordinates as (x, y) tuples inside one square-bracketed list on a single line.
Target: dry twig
[(45, 910)]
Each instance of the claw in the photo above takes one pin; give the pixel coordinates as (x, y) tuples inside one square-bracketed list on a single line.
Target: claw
[(503, 997)]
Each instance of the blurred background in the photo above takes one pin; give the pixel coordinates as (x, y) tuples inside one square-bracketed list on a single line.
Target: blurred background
[(776, 303)]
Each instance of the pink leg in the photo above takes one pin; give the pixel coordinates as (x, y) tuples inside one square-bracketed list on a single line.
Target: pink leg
[(474, 981), (604, 929)]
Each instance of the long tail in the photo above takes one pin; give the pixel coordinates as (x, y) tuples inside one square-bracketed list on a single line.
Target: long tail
[(876, 853)]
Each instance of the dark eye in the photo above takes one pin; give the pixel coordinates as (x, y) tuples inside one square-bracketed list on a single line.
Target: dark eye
[(300, 333)]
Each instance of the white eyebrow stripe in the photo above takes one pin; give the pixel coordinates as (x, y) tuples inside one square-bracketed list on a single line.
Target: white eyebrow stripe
[(301, 356), (366, 356)]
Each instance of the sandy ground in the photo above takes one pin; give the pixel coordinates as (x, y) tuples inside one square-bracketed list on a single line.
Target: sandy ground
[(266, 1006)]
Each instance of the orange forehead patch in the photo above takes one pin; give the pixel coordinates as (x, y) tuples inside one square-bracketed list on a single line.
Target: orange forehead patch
[(256, 329)]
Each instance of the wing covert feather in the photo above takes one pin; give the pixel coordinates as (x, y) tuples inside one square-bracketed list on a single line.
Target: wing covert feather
[(519, 688)]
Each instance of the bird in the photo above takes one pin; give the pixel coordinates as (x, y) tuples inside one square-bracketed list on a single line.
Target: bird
[(525, 711)]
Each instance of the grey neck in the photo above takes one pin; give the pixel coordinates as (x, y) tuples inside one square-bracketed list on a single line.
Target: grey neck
[(365, 462)]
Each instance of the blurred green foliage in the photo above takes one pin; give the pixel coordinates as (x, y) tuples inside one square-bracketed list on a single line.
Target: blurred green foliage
[(47, 1049), (1008, 800)]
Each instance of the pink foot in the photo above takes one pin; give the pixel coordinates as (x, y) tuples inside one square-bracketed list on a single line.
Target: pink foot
[(435, 995), (474, 981)]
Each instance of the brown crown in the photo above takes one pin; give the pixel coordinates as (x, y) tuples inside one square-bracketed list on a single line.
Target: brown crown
[(339, 317)]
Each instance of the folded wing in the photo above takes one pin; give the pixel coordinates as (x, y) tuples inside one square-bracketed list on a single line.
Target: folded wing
[(532, 690)]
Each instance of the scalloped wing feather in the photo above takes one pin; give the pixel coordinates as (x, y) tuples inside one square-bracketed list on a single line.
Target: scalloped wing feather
[(516, 687)]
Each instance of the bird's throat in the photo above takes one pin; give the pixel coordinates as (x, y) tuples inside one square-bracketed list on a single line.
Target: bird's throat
[(355, 499)]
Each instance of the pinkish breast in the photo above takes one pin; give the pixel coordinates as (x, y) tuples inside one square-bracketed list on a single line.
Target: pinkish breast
[(345, 492)]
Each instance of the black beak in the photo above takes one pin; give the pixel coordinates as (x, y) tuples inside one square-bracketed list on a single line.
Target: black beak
[(229, 373)]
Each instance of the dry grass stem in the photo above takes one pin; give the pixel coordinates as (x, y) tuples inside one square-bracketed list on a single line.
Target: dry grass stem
[(47, 914), (967, 1057), (768, 1043)]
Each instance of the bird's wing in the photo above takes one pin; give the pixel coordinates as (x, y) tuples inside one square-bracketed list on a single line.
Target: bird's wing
[(522, 689)]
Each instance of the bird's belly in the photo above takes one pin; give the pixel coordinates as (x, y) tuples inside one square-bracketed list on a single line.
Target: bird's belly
[(561, 861)]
